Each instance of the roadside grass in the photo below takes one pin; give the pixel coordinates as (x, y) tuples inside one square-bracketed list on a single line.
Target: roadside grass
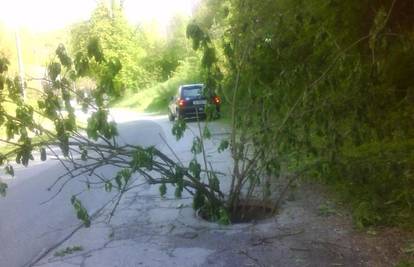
[(405, 263), (155, 98), (225, 113), (363, 179)]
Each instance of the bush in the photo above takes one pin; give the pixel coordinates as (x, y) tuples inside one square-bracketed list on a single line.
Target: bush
[(321, 83), (377, 179)]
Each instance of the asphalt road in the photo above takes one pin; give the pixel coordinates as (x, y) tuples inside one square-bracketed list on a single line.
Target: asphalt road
[(29, 228)]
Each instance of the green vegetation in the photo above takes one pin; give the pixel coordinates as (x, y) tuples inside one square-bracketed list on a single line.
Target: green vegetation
[(118, 39), (37, 50), (67, 251), (314, 89), (156, 97), (321, 86), (148, 59), (405, 263), (55, 105)]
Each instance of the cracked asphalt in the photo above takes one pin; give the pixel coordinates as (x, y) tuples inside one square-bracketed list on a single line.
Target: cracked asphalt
[(152, 231), (30, 225), (149, 230)]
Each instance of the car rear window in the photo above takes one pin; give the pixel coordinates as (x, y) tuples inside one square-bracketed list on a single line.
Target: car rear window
[(191, 91)]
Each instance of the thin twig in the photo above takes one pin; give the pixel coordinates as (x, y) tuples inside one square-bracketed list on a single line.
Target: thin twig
[(171, 150)]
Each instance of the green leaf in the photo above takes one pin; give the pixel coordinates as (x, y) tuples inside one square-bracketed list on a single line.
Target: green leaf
[(65, 60), (2, 82), (209, 57), (118, 180), (67, 251), (4, 64), (54, 70), (84, 154), (81, 212), (409, 249), (214, 182), (197, 146), (114, 66), (95, 50), (198, 200), (206, 132), (178, 192), (179, 173), (224, 144), (142, 158), (198, 36), (42, 154), (224, 217), (195, 168), (163, 189), (126, 174), (2, 159), (9, 170), (81, 64), (179, 128), (3, 189), (108, 186), (179, 181)]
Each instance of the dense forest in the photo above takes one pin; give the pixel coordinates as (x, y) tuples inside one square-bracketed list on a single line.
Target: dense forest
[(323, 88)]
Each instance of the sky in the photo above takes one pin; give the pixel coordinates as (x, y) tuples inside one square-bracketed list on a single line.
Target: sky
[(47, 15)]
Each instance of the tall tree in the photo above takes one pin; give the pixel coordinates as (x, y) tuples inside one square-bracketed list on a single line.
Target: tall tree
[(322, 83), (109, 25)]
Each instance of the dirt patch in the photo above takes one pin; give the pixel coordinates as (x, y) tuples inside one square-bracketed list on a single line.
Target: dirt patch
[(387, 246), (310, 229), (334, 230)]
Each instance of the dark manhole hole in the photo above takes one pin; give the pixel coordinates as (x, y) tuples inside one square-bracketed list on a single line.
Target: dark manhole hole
[(247, 212)]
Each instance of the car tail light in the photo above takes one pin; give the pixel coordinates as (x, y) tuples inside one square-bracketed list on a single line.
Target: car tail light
[(181, 102), (216, 100)]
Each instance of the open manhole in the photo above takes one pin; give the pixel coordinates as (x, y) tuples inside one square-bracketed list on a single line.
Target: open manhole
[(246, 212)]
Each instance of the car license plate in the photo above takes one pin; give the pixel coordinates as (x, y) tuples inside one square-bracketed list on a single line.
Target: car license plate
[(199, 102)]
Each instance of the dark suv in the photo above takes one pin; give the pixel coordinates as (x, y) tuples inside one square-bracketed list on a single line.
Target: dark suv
[(190, 102)]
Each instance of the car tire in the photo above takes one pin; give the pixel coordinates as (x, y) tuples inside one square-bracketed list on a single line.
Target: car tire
[(170, 116), (180, 116)]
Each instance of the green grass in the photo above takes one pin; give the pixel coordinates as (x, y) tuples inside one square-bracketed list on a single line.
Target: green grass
[(405, 263), (155, 98)]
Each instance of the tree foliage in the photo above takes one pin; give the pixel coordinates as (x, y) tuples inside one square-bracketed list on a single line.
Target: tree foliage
[(110, 28), (84, 150), (320, 85), (147, 56), (318, 88)]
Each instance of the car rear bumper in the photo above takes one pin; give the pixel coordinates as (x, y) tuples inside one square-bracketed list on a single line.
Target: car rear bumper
[(194, 111)]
